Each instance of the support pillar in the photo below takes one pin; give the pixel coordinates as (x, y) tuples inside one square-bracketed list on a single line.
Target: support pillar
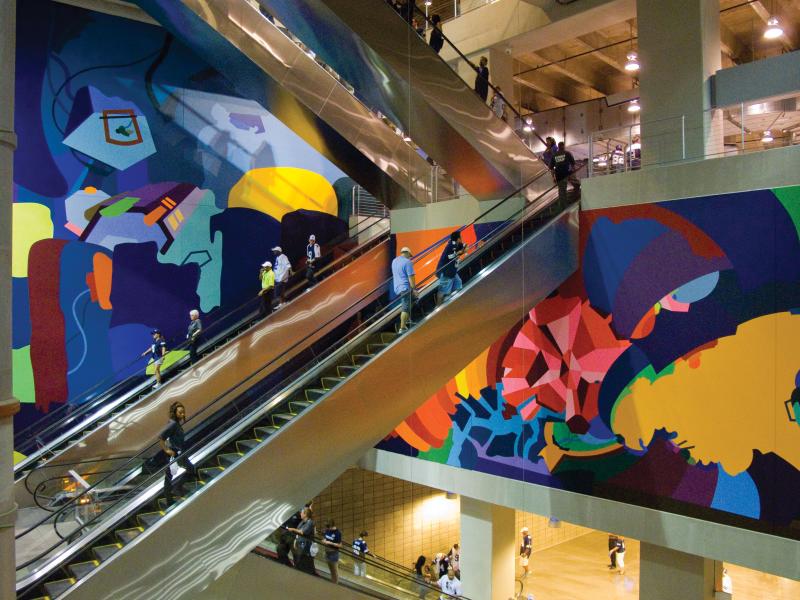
[(679, 49), (668, 574), (488, 546), (8, 404)]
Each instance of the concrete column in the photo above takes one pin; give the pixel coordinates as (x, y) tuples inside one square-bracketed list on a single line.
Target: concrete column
[(488, 550), (679, 50), (666, 574), (8, 404)]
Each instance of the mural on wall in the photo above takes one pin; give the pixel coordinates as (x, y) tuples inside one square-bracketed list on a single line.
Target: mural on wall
[(143, 187), (664, 372)]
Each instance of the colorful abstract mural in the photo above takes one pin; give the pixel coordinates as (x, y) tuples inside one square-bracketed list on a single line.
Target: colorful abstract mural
[(665, 372), (144, 186)]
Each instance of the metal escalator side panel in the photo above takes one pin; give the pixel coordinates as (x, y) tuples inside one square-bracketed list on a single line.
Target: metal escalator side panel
[(243, 27), (277, 340), (392, 89), (216, 528)]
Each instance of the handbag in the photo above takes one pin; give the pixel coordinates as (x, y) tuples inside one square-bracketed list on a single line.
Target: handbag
[(314, 549)]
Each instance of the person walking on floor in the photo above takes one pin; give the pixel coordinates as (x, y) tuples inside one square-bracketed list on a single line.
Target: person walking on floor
[(619, 551), (283, 270), (436, 40), (482, 78), (173, 442), (193, 334), (158, 350), (404, 282), (564, 167), (525, 549), (333, 543), (312, 256), (304, 537), (360, 550), (612, 543), (267, 278), (450, 585)]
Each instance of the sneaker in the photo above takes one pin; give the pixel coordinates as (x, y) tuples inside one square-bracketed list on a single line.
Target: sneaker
[(156, 386), (402, 331)]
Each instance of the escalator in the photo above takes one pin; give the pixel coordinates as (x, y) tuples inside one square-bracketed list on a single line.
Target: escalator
[(378, 52), (272, 452), (107, 429), (370, 575), (267, 65)]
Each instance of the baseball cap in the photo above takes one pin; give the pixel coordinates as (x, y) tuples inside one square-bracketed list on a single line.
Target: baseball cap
[(277, 249), (155, 331), (524, 530), (266, 264), (405, 249), (312, 237)]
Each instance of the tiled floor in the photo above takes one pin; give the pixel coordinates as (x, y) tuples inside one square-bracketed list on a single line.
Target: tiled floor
[(576, 570)]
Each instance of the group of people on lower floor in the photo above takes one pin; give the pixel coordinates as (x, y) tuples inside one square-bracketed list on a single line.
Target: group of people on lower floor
[(444, 572)]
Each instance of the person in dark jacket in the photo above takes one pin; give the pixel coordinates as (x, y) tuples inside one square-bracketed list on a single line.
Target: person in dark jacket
[(173, 444), (482, 79), (304, 533), (564, 167), (436, 40), (193, 334)]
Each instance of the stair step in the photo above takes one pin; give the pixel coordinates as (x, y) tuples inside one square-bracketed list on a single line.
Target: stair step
[(375, 348), (126, 536), (388, 336), (244, 446), (82, 569), (314, 394), (149, 519), (55, 588), (281, 419), (228, 459), (264, 431), (103, 553), (298, 406), (346, 370), (208, 473), (361, 359), (331, 382)]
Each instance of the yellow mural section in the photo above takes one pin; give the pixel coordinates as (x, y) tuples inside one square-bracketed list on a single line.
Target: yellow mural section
[(279, 190), (730, 405), (31, 222)]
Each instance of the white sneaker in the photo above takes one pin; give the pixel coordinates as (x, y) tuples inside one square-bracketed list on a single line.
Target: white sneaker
[(156, 386)]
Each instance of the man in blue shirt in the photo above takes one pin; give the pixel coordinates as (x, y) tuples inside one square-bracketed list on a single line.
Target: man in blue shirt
[(447, 269), (360, 550), (404, 281)]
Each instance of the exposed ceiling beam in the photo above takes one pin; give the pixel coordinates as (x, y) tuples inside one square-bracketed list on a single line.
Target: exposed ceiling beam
[(730, 44), (561, 92), (591, 41), (571, 69), (538, 102)]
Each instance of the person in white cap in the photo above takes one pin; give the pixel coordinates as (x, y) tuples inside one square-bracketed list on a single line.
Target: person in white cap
[(283, 270), (267, 278), (404, 282), (525, 549), (312, 254)]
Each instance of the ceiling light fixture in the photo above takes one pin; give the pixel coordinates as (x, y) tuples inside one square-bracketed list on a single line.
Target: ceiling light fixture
[(773, 29), (428, 2), (767, 137), (633, 62), (528, 125), (634, 107)]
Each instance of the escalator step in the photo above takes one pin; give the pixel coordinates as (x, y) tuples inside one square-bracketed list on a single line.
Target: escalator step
[(298, 406), (244, 446), (103, 553), (375, 348), (228, 459), (281, 419), (149, 519), (346, 370), (55, 588), (314, 394), (388, 337), (208, 473), (361, 359), (82, 569), (264, 431), (330, 382), (126, 536)]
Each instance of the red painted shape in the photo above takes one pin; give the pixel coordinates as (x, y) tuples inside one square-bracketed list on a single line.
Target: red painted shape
[(48, 350)]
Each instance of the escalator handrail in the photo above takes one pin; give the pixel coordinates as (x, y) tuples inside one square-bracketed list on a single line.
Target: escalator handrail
[(102, 398), (219, 430)]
